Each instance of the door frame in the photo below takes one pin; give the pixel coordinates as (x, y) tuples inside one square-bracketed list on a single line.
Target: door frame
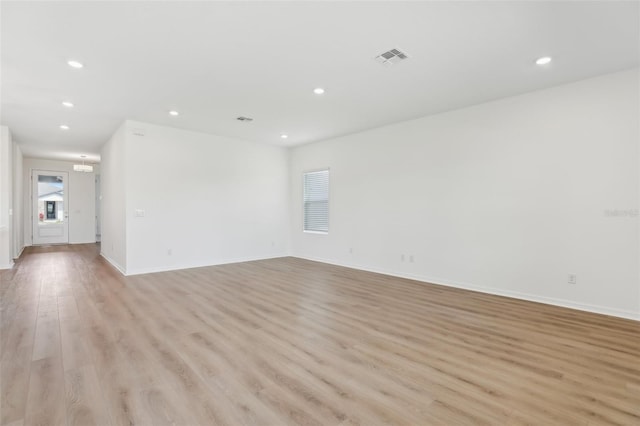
[(34, 205)]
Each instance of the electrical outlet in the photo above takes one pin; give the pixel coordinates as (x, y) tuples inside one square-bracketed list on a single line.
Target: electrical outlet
[(411, 259), (350, 250), (169, 252), (402, 257), (573, 279)]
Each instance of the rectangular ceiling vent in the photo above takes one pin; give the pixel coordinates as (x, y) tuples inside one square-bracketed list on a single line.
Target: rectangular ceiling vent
[(391, 57), (245, 119)]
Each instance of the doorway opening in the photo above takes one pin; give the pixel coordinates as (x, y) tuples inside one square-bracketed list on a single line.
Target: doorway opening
[(50, 210)]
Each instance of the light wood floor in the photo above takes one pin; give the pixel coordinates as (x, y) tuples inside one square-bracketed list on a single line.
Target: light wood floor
[(293, 342)]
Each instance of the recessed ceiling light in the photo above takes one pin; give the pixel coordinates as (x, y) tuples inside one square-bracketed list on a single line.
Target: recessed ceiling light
[(174, 113), (64, 127), (75, 64), (284, 136), (543, 61), (67, 104), (318, 90)]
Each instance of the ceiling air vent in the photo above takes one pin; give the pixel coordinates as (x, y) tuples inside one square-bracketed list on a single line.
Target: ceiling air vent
[(245, 119), (391, 57)]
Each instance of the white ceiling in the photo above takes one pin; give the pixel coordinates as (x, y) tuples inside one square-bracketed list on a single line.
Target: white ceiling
[(215, 61)]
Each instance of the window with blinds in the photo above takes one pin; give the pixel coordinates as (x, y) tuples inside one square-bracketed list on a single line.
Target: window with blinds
[(316, 201)]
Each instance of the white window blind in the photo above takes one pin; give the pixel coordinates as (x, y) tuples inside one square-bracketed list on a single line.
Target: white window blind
[(316, 201)]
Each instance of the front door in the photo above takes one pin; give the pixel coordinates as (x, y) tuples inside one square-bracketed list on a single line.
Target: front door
[(50, 207)]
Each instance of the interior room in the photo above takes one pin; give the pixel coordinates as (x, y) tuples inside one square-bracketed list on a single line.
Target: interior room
[(320, 213)]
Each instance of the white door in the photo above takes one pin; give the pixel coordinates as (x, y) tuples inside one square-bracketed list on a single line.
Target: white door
[(50, 207)]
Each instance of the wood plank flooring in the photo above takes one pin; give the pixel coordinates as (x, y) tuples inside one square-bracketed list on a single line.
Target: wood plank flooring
[(293, 342)]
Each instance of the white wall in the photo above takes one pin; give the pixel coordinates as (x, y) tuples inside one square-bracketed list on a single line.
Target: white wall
[(6, 198), (507, 197), (112, 182), (206, 199), (80, 199)]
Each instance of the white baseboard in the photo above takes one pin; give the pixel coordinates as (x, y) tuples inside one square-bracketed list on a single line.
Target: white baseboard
[(113, 263), (151, 270), (6, 266), (61, 244), (19, 254), (604, 310)]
